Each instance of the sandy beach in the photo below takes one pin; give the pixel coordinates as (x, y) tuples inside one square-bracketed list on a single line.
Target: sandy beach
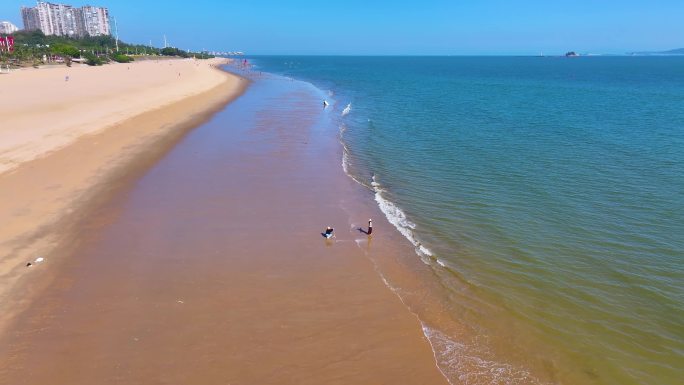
[(202, 260), (69, 136)]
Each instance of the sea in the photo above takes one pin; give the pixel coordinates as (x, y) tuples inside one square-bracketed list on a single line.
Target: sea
[(546, 194)]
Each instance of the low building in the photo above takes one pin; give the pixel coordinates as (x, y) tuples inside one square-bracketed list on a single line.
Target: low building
[(6, 27)]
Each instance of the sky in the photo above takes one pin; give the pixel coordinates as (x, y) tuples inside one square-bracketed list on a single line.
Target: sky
[(398, 27)]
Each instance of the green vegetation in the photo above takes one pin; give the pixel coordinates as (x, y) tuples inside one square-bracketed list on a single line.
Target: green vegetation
[(92, 59), (119, 58), (173, 52), (65, 50), (34, 48)]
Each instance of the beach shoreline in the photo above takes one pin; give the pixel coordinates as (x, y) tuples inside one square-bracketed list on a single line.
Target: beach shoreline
[(52, 176), (173, 279)]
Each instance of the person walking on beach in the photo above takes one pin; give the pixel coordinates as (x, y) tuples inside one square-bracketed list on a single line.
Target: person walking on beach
[(370, 227), (328, 232)]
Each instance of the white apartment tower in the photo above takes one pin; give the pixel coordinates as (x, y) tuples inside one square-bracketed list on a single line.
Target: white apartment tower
[(30, 18), (59, 19), (65, 20), (95, 21)]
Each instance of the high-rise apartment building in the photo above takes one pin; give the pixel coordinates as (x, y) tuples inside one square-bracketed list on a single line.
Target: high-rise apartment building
[(95, 21), (65, 20), (30, 18), (58, 19), (6, 27)]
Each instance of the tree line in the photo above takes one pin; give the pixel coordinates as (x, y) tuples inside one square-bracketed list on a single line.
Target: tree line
[(35, 48)]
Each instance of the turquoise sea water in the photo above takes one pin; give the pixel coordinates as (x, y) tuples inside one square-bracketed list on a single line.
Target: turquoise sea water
[(553, 188)]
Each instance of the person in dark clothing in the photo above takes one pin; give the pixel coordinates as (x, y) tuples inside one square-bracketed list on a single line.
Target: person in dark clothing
[(370, 227), (328, 232)]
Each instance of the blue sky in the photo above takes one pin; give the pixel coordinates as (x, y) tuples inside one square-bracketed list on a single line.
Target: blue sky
[(426, 27)]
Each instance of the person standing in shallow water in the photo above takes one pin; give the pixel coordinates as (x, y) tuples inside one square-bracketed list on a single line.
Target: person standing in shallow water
[(370, 227)]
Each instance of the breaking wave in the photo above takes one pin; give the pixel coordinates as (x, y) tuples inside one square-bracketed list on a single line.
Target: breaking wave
[(397, 217), (346, 110), (463, 362)]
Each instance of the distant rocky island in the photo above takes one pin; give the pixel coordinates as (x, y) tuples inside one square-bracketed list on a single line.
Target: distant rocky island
[(678, 51)]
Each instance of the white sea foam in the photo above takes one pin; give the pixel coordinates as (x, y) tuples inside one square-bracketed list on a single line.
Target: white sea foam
[(397, 217), (346, 110), (424, 250), (345, 162), (467, 364)]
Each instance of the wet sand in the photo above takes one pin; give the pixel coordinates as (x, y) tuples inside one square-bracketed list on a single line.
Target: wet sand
[(211, 269)]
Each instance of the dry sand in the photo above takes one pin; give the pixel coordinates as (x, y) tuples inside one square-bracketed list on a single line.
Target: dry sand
[(65, 144), (42, 111)]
